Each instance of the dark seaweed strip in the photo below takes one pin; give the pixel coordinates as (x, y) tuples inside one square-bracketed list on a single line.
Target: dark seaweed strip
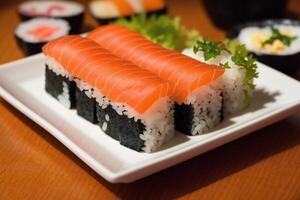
[(86, 106), (184, 115), (54, 85), (121, 128)]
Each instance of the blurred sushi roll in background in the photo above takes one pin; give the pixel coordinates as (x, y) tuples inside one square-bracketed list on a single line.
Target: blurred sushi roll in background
[(273, 42), (106, 11), (132, 105), (31, 35), (70, 11)]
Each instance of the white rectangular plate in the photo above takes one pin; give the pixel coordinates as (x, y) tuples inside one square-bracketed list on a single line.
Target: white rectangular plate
[(22, 85)]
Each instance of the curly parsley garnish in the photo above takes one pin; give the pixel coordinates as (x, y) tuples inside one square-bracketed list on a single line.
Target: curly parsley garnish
[(276, 35), (243, 58), (239, 55), (225, 65), (210, 49)]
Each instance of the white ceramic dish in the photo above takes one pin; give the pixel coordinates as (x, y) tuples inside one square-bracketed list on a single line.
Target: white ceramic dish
[(22, 85)]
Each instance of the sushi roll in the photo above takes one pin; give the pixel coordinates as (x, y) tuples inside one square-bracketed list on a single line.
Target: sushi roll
[(273, 42), (198, 98), (106, 11), (132, 105), (33, 34), (72, 12), (240, 70)]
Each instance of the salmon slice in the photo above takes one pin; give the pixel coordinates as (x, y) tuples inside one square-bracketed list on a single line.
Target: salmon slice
[(117, 79), (123, 7), (152, 5), (184, 73), (43, 32)]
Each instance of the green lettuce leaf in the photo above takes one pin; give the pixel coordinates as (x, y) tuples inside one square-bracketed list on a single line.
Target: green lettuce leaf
[(164, 30)]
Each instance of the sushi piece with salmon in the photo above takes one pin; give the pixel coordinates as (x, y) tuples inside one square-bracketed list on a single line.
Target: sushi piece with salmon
[(132, 105), (106, 11), (33, 34), (70, 11), (240, 70), (197, 93)]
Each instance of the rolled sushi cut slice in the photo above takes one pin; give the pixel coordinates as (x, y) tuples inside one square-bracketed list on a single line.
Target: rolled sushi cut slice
[(70, 11), (60, 85), (195, 85), (106, 11), (132, 104), (33, 34), (274, 42), (240, 71)]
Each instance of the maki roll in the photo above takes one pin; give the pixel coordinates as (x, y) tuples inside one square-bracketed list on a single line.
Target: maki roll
[(106, 11), (274, 42), (196, 92), (132, 104), (33, 34), (240, 70), (72, 12)]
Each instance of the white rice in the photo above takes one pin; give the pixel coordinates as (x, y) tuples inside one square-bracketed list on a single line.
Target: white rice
[(246, 37), (158, 119), (57, 68), (22, 31), (231, 81), (207, 104), (64, 97), (59, 8)]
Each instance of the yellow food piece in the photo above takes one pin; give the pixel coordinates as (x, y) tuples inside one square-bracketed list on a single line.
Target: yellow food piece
[(258, 38), (276, 47), (286, 32)]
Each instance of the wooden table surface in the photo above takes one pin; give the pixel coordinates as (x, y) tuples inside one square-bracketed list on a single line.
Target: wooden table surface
[(34, 165)]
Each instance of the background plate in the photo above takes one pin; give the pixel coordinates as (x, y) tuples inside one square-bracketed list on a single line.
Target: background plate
[(22, 85)]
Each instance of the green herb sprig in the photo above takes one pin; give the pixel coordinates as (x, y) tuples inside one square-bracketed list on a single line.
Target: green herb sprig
[(210, 49), (239, 55), (276, 35), (225, 65), (244, 59)]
